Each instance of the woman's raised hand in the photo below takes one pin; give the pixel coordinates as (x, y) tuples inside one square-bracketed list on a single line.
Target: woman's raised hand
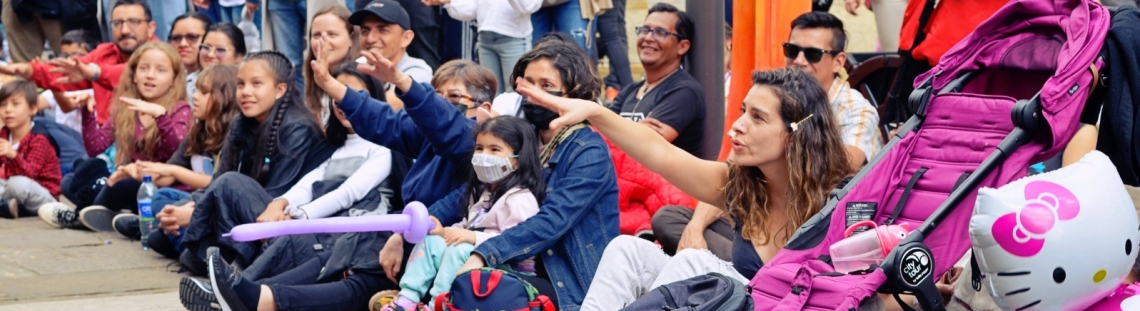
[(321, 75), (572, 110)]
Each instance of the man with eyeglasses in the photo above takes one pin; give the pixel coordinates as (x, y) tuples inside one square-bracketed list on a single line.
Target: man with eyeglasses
[(100, 69), (668, 100), (816, 46)]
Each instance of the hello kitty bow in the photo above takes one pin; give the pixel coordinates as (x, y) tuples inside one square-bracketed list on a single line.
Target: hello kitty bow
[(1022, 233)]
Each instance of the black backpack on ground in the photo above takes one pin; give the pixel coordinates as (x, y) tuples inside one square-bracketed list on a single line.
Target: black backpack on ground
[(710, 292)]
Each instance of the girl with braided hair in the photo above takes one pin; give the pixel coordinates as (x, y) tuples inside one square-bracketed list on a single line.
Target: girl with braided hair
[(270, 146)]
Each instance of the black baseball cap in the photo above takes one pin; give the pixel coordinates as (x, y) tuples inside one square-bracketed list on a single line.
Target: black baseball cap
[(386, 10)]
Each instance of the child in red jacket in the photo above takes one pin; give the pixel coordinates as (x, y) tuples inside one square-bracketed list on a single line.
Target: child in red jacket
[(29, 165)]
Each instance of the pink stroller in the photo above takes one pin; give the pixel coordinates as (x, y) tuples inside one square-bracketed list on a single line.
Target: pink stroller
[(1006, 96)]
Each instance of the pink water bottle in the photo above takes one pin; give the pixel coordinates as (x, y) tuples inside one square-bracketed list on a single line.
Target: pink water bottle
[(867, 248)]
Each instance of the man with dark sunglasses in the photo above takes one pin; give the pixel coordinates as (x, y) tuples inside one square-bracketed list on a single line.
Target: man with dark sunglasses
[(816, 46), (668, 100)]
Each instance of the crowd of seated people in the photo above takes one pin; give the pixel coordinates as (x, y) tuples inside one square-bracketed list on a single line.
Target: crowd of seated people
[(520, 164)]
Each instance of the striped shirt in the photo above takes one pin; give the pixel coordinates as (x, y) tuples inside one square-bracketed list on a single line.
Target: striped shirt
[(858, 120)]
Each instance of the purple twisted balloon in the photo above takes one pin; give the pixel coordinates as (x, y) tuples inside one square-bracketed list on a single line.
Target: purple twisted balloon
[(414, 224)]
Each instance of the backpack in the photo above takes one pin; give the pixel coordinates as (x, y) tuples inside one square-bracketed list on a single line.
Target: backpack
[(489, 289), (710, 292)]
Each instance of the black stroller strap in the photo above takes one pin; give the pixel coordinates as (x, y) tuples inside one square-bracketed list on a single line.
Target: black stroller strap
[(905, 195), (975, 274), (961, 179)]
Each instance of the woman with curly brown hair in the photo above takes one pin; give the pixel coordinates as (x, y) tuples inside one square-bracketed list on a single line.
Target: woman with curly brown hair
[(787, 155)]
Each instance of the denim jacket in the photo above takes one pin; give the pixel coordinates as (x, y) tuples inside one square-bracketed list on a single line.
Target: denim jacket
[(576, 221), (429, 127)]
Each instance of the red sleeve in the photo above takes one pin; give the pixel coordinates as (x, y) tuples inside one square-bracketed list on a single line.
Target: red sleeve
[(96, 137), (42, 76), (172, 128), (109, 75), (36, 159)]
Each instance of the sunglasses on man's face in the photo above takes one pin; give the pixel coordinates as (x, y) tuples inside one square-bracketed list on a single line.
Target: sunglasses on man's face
[(812, 55)]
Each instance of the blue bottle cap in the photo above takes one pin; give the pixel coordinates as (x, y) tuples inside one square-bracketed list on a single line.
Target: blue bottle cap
[(146, 178)]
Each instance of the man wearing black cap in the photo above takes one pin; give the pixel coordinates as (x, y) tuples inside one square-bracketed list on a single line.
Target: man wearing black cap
[(386, 28)]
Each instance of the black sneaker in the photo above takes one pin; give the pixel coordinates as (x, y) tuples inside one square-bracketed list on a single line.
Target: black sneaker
[(197, 294), (8, 210), (223, 277), (192, 263), (59, 215), (127, 225), (97, 218)]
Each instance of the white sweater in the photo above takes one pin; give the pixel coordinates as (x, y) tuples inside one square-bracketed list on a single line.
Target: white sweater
[(377, 164), (507, 17)]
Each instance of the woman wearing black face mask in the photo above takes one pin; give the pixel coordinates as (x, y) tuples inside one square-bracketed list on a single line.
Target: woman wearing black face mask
[(538, 116)]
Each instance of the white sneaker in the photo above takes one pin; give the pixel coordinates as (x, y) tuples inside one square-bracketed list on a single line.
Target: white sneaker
[(59, 215)]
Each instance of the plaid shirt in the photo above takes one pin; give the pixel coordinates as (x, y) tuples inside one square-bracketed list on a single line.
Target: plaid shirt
[(858, 120), (35, 159)]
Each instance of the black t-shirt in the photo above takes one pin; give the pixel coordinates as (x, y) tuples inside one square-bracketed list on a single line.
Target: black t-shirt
[(679, 101), (744, 256)]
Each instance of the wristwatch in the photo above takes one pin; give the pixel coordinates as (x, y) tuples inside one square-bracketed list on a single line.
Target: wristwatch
[(97, 70)]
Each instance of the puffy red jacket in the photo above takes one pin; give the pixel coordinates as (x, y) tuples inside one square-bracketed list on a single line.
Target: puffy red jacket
[(642, 192)]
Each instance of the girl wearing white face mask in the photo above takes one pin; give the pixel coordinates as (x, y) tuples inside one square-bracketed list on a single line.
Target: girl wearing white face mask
[(504, 191)]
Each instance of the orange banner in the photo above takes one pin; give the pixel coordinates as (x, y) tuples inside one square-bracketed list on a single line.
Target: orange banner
[(759, 28)]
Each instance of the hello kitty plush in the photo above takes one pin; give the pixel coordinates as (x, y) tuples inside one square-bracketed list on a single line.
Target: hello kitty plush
[(1062, 240)]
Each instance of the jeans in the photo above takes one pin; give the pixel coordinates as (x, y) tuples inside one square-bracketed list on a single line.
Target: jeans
[(27, 192), (635, 266), (351, 293), (288, 19), (500, 53), (230, 200), (162, 198), (458, 39), (615, 44), (566, 17), (433, 265), (233, 15)]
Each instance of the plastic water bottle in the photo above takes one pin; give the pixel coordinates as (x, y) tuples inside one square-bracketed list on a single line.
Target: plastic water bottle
[(146, 214), (860, 251)]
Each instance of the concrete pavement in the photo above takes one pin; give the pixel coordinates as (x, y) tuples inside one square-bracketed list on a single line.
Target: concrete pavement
[(43, 268)]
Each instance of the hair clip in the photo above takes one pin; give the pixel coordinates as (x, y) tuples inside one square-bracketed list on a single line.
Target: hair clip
[(796, 125)]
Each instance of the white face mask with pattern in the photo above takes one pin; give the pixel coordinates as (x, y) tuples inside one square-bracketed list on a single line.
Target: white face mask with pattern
[(490, 169)]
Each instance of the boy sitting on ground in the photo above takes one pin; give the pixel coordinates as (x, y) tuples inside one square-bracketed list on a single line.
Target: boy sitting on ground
[(29, 166)]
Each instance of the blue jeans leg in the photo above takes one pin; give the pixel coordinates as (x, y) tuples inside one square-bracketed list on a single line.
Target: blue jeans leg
[(164, 197), (566, 17), (163, 13), (611, 28), (488, 57), (288, 18), (214, 12), (540, 21), (233, 15), (500, 53)]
